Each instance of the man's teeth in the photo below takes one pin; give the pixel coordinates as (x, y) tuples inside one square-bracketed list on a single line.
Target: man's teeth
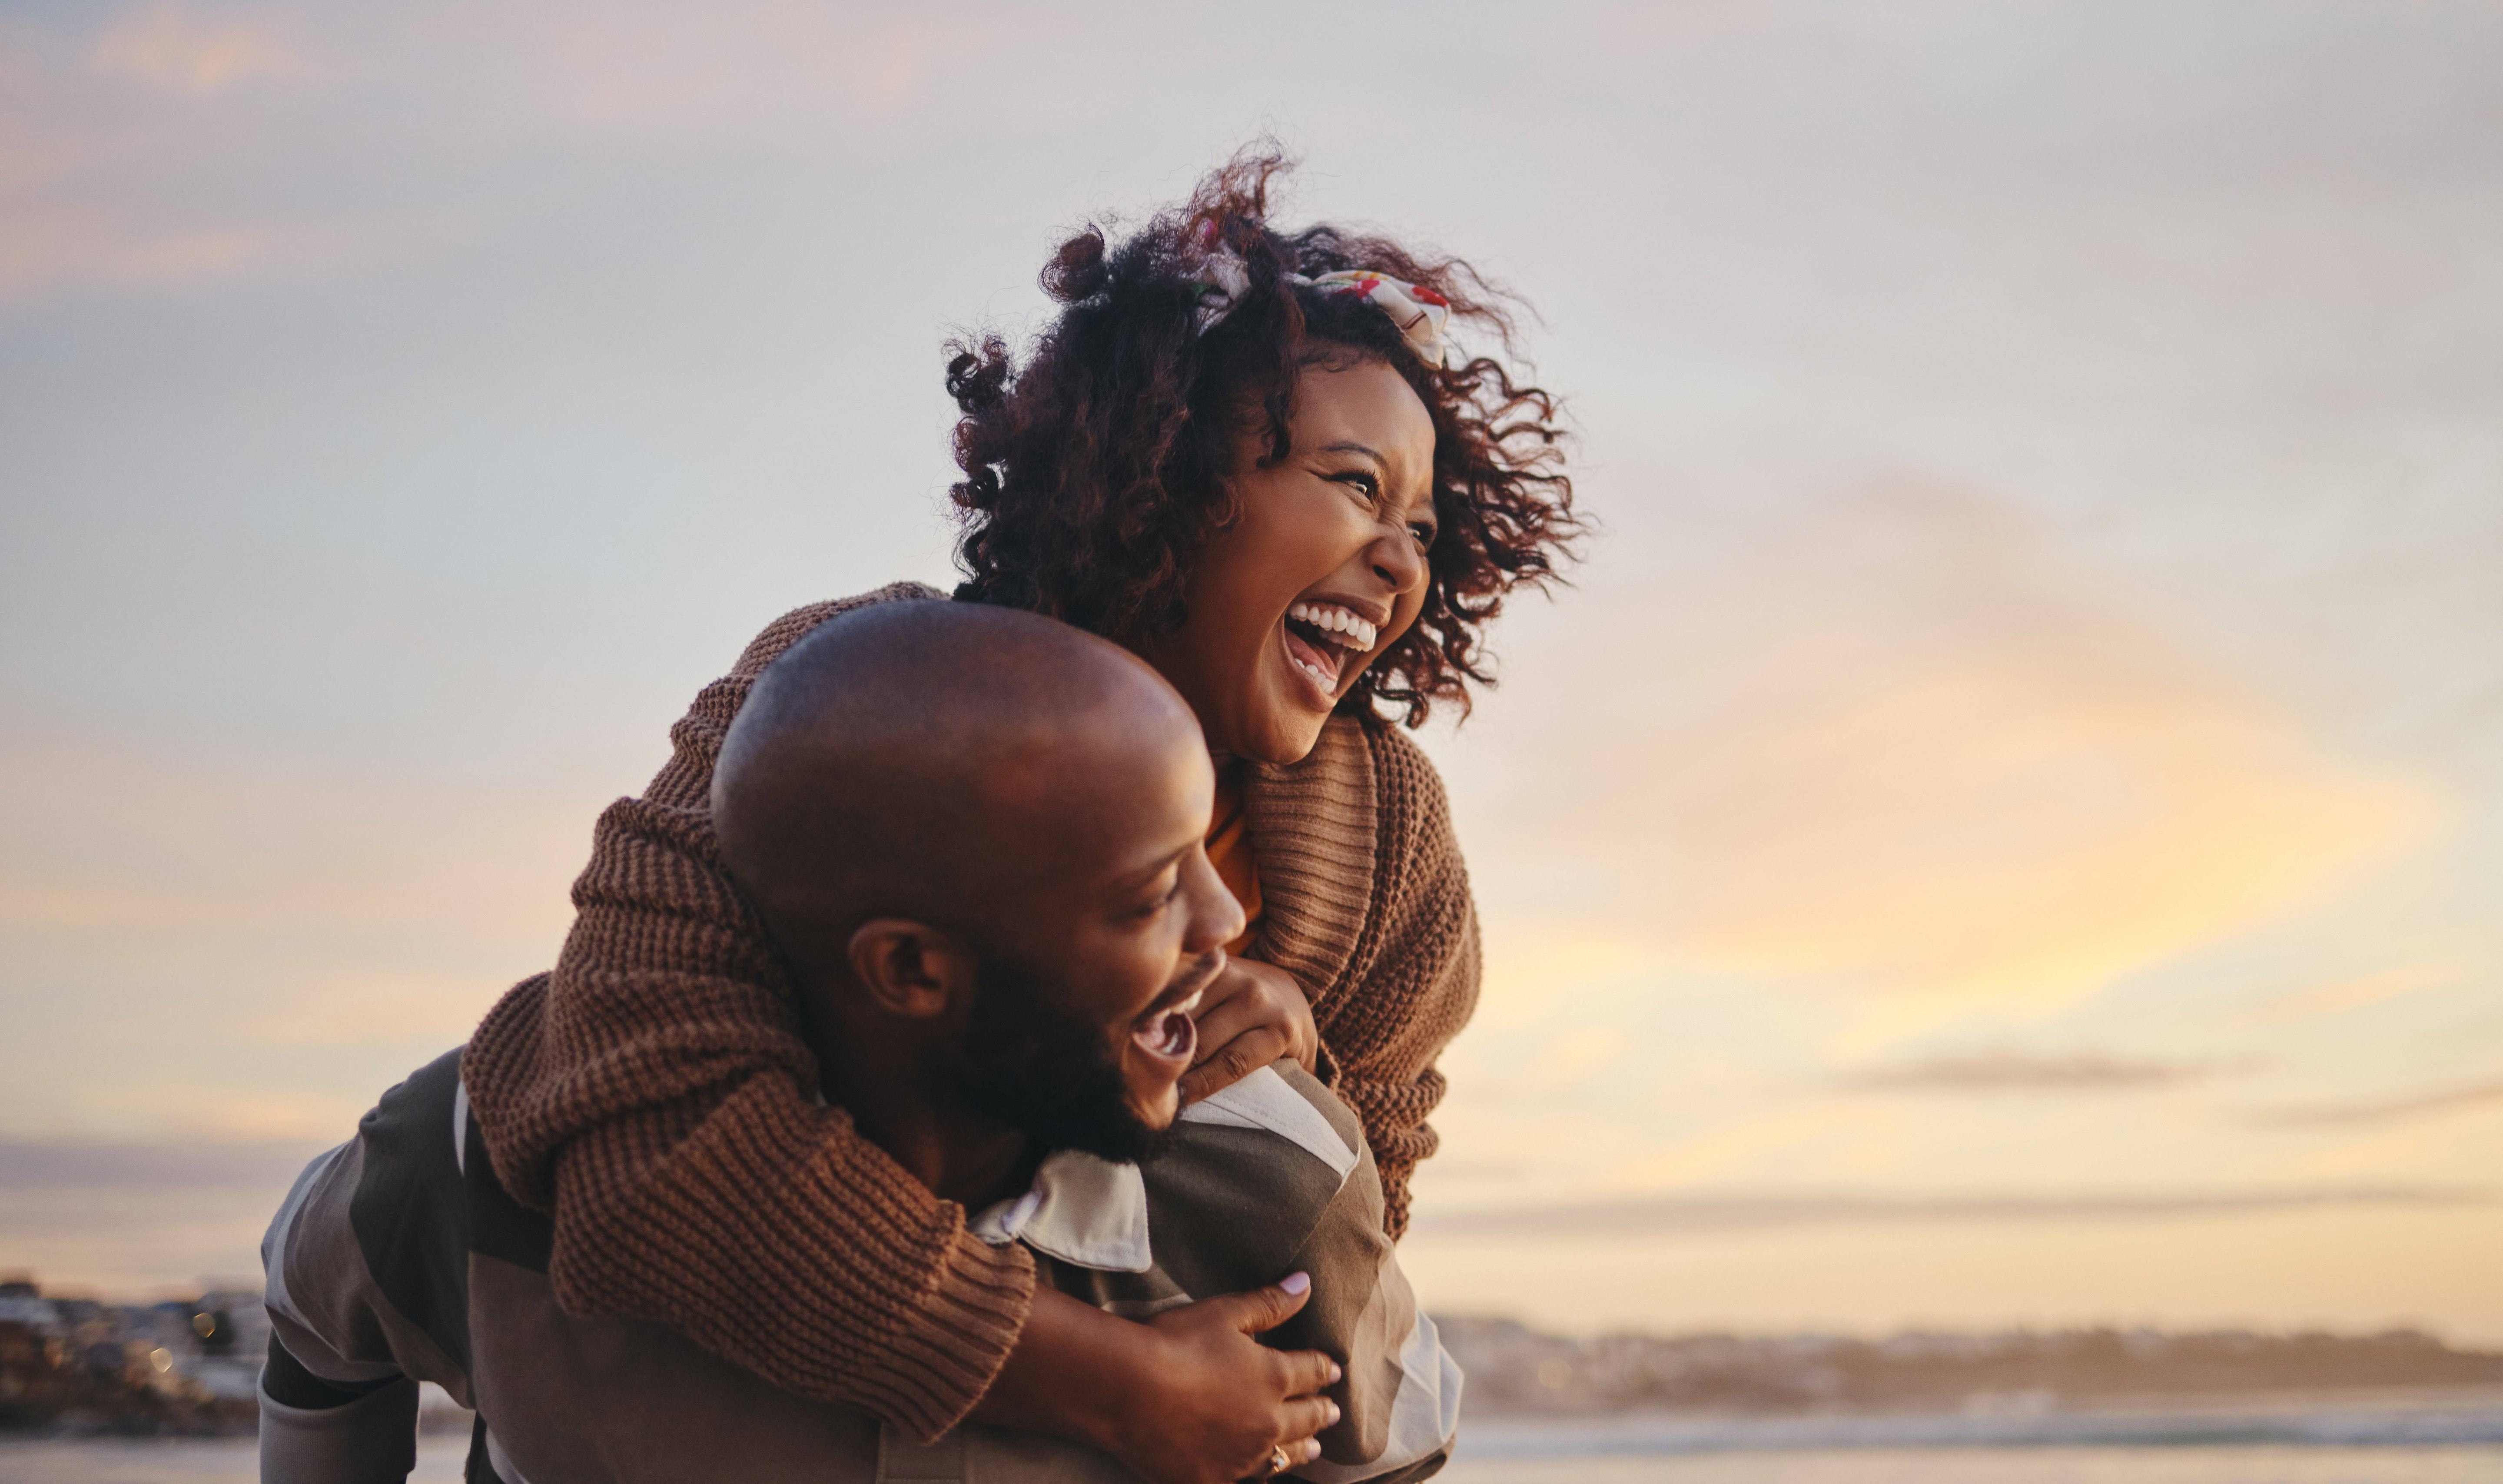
[(1345, 629), (1169, 1031), (1174, 1034)]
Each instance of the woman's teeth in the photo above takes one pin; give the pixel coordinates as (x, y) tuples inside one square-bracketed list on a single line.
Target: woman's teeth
[(1337, 625)]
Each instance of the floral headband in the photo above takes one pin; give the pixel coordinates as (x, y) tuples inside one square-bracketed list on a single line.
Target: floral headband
[(1418, 311)]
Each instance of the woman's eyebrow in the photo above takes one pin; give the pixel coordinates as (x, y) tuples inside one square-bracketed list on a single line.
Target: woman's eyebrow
[(1425, 500)]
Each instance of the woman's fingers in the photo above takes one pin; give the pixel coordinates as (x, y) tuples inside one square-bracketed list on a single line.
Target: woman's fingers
[(1307, 1371), (1248, 994), (1303, 1425), (1307, 1415), (1260, 1017), (1264, 1309), (1233, 1061), (1231, 1021)]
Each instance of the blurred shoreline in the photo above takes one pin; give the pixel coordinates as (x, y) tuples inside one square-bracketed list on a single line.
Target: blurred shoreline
[(1998, 1383), (2427, 1417), (83, 1368)]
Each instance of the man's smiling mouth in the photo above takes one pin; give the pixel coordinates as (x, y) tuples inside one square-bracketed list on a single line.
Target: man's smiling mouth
[(1171, 1029), (1171, 1033)]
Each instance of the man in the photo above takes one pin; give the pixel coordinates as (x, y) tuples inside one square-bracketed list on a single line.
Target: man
[(976, 838)]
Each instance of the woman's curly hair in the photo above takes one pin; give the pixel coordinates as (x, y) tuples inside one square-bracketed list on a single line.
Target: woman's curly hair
[(1093, 472)]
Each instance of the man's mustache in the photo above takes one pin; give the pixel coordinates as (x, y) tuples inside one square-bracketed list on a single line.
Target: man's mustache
[(1197, 975)]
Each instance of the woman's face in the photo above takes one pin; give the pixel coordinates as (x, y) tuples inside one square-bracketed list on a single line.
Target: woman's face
[(1322, 567)]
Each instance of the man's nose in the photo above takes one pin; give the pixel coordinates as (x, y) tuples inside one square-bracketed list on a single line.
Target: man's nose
[(1216, 917)]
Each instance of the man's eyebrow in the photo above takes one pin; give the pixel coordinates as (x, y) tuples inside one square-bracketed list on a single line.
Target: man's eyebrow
[(1150, 872)]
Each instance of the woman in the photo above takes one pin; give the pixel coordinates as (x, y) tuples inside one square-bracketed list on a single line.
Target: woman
[(1251, 459)]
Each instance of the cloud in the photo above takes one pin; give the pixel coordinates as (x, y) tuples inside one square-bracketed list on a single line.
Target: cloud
[(2017, 1072), (1899, 750), (2354, 992), (149, 1109), (61, 1164), (2478, 1095), (45, 246), (249, 950), (1684, 1215), (370, 1009), (116, 842), (1814, 1139), (161, 44), (668, 71)]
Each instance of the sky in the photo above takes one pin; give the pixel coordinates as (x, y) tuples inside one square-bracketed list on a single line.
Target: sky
[(2006, 826)]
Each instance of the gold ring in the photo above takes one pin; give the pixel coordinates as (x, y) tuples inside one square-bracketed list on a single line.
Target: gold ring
[(1279, 1462)]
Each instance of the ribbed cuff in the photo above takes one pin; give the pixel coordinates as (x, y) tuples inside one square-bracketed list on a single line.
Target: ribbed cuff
[(942, 1364)]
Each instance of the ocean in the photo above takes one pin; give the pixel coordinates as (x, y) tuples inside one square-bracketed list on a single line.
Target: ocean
[(230, 1460), (2451, 1439)]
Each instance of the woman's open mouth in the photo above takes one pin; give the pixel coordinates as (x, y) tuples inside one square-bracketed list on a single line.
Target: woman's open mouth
[(1321, 639)]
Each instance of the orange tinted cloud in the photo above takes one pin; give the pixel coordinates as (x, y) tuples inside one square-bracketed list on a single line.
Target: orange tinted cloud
[(1908, 756), (45, 246), (164, 46), (2354, 992), (2017, 831)]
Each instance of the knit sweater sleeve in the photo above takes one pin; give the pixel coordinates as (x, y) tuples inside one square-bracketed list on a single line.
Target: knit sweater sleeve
[(654, 1093), (1413, 982)]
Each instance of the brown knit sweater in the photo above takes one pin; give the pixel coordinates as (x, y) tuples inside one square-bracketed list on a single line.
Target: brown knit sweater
[(655, 1094)]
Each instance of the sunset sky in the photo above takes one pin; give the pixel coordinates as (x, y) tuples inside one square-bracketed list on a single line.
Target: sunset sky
[(2006, 827)]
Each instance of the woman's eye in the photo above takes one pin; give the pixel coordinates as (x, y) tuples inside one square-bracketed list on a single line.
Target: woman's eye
[(1424, 534), (1364, 483)]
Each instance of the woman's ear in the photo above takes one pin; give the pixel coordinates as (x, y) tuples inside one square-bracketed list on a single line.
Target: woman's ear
[(910, 969)]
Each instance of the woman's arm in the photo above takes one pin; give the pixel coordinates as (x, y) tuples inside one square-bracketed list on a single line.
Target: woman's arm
[(654, 1094), (1414, 982)]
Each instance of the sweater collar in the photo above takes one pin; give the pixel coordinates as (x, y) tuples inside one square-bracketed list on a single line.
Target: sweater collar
[(1315, 834)]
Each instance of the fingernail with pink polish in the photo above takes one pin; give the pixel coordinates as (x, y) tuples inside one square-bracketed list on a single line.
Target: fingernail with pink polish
[(1296, 1283)]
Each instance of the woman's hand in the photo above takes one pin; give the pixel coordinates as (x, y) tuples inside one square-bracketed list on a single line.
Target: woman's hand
[(1224, 1401), (1252, 1014), (1187, 1397)]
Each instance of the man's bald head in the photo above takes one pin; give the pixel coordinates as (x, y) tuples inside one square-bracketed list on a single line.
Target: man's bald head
[(927, 760)]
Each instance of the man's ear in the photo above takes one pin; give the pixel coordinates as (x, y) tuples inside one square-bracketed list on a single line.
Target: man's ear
[(910, 969)]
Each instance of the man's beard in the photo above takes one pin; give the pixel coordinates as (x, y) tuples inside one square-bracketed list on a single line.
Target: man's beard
[(1047, 1074)]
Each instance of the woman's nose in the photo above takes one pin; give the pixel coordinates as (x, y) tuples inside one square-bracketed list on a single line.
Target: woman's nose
[(1397, 562)]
